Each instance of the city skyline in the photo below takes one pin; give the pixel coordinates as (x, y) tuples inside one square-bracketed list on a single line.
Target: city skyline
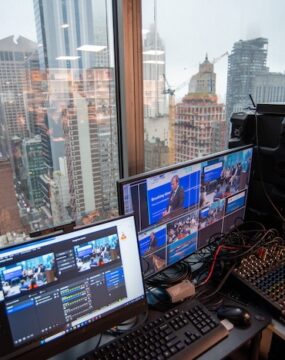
[(224, 22), (58, 117), (212, 27), (58, 113)]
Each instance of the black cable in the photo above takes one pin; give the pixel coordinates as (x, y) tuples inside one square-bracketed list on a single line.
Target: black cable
[(99, 342), (221, 284), (170, 276), (117, 331)]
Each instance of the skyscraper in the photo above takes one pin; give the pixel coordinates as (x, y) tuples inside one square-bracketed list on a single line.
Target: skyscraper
[(205, 80), (269, 88), (34, 167), (72, 33), (91, 140), (153, 74), (79, 108), (9, 214), (200, 126), (15, 56), (246, 61), (156, 154)]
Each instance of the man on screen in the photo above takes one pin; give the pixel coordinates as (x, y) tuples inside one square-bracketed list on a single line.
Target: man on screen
[(176, 198)]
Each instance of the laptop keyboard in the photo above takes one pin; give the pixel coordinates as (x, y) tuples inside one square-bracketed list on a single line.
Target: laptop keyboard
[(184, 332)]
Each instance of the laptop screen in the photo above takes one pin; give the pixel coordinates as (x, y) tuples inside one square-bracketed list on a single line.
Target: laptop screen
[(61, 284)]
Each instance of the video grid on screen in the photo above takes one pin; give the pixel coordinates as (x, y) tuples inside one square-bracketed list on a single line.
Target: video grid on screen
[(178, 211)]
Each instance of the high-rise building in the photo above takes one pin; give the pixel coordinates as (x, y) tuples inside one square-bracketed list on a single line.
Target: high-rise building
[(53, 204), (269, 88), (72, 33), (246, 61), (153, 75), (89, 122), (34, 167), (205, 80), (9, 214), (78, 106), (200, 126), (156, 154), (15, 57)]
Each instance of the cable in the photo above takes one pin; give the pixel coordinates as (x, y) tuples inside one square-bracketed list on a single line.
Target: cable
[(171, 276), (116, 331), (99, 342), (220, 284), (220, 247)]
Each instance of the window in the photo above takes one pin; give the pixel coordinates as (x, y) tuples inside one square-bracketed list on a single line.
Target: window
[(201, 60), (57, 113)]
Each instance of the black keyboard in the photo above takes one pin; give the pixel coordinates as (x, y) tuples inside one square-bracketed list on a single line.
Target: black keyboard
[(184, 332)]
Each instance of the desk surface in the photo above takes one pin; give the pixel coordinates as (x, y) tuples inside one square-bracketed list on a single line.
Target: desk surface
[(236, 338)]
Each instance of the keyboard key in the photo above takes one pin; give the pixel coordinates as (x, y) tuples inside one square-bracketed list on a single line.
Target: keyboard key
[(180, 346)]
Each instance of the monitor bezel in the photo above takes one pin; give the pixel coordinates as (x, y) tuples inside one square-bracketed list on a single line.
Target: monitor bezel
[(173, 167), (81, 334)]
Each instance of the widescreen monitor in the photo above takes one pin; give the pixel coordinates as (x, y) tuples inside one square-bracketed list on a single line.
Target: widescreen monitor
[(177, 209), (62, 289)]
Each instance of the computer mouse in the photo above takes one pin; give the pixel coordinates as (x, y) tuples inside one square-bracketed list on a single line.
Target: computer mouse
[(239, 316)]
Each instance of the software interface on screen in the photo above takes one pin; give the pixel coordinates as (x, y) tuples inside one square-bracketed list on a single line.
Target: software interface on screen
[(53, 286), (178, 210)]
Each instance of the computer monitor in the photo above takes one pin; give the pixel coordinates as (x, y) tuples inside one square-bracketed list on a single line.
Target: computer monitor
[(177, 209), (63, 289)]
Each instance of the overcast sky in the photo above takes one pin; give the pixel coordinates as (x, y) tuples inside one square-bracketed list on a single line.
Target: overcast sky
[(189, 29), (17, 18), (192, 28)]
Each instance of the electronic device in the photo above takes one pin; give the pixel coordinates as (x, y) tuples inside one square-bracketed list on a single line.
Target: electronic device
[(177, 209), (238, 316), (263, 275), (162, 298), (65, 288), (265, 129), (184, 332)]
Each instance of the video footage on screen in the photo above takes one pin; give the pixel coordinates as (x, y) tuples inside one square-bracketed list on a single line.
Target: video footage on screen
[(97, 253), (27, 275)]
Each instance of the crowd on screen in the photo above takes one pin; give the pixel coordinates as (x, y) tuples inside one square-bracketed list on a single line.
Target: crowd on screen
[(31, 277), (182, 228), (100, 256)]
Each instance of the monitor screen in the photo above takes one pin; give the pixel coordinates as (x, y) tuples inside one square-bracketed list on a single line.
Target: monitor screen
[(68, 286), (177, 209)]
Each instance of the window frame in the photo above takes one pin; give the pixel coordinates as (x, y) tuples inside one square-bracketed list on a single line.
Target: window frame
[(129, 65)]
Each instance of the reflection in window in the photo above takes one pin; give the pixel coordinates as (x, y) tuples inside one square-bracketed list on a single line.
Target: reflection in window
[(58, 135)]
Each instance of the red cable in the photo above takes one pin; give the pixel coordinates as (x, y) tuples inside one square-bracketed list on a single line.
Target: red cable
[(219, 248)]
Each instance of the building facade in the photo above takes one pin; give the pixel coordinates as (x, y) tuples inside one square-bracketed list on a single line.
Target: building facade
[(205, 80), (156, 154), (269, 88), (15, 59), (246, 61), (200, 126), (34, 167), (153, 75), (73, 33)]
